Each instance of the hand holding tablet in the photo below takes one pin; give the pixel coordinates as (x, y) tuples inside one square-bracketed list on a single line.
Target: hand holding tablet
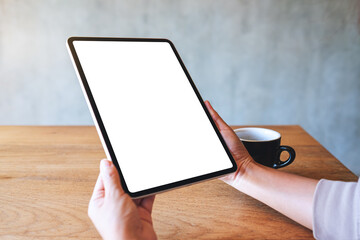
[(136, 84), (131, 219)]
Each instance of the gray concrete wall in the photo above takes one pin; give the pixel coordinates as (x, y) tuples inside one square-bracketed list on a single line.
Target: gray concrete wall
[(258, 61)]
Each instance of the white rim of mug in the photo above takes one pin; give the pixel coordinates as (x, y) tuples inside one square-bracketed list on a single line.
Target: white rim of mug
[(257, 128)]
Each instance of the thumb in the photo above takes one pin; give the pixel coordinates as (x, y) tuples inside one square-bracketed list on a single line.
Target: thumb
[(216, 117), (110, 178)]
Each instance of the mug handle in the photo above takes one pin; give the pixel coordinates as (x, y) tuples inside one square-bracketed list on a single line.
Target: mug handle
[(279, 163)]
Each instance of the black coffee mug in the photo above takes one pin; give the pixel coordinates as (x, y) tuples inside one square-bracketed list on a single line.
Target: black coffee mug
[(264, 146)]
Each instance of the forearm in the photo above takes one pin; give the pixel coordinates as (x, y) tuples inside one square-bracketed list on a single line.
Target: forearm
[(290, 194)]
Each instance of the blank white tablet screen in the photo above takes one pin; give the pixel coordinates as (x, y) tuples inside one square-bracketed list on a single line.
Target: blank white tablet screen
[(157, 127)]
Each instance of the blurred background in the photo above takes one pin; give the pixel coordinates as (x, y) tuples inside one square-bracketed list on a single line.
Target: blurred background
[(257, 61)]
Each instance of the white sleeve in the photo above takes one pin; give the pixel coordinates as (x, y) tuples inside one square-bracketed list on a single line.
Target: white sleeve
[(336, 210)]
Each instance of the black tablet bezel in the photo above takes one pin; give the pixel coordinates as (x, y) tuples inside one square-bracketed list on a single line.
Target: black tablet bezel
[(98, 119)]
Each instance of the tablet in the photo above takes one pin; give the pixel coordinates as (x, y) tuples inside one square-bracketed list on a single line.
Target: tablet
[(150, 117)]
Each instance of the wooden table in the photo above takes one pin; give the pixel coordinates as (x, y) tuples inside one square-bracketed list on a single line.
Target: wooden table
[(47, 175)]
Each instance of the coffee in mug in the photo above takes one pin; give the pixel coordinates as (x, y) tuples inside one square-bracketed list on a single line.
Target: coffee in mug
[(264, 146)]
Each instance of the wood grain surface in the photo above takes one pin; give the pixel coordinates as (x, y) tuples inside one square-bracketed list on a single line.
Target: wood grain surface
[(47, 175)]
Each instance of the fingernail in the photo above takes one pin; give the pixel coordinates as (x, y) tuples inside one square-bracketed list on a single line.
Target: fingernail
[(106, 163)]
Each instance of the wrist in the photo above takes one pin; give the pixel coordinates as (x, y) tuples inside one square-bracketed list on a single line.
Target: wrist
[(245, 174)]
